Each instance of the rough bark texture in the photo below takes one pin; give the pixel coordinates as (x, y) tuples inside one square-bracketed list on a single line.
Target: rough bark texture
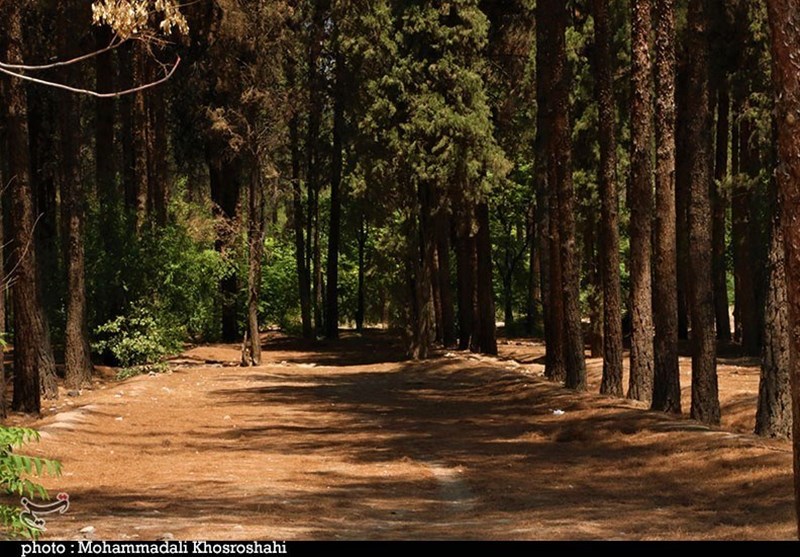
[(77, 355), (465, 245), (611, 383), (682, 189), (362, 244), (255, 235), (705, 394), (3, 282), (298, 222), (33, 357), (640, 386), (719, 200), (140, 131), (784, 19), (746, 311), (774, 413), (666, 379), (486, 332), (422, 249), (447, 324), (334, 230)]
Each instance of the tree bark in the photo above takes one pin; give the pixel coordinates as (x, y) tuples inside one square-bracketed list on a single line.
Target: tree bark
[(705, 393), (465, 278), (487, 337), (682, 193), (719, 200), (640, 386), (362, 243), (77, 355), (611, 383), (447, 325), (298, 214), (666, 379), (255, 235), (334, 230), (743, 249), (773, 415), (33, 356), (784, 20), (140, 139)]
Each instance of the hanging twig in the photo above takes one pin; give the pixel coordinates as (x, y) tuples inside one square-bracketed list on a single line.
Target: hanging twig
[(115, 43)]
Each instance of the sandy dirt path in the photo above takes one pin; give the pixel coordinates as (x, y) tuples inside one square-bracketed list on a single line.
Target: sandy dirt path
[(347, 441)]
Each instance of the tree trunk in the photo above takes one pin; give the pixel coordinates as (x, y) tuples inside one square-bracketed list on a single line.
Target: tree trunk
[(33, 357), (719, 199), (743, 250), (465, 279), (487, 337), (157, 141), (682, 192), (594, 286), (303, 277), (784, 20), (126, 108), (255, 236), (313, 162), (533, 314), (705, 394), (611, 383), (332, 313), (773, 416), (140, 139), (422, 254), (666, 379), (77, 355), (445, 290), (640, 386), (362, 242), (3, 282)]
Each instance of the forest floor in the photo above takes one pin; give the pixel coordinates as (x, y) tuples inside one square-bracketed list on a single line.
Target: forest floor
[(346, 440)]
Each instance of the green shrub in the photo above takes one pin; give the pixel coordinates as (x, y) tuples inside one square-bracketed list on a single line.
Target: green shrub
[(14, 471), (139, 338)]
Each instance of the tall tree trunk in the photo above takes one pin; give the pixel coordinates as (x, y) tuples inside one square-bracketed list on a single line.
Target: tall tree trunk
[(533, 315), (140, 139), (158, 152), (784, 21), (3, 282), (611, 383), (422, 253), (682, 192), (666, 380), (743, 248), (442, 224), (640, 386), (719, 199), (705, 393), (303, 277), (773, 416), (465, 246), (126, 109), (332, 313), (255, 235), (77, 355), (361, 238), (487, 337), (33, 356), (313, 163)]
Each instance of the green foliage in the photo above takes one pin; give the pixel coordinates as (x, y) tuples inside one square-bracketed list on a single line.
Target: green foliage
[(15, 469), (138, 338)]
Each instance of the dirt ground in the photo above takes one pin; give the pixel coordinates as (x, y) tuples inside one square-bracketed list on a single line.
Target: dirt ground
[(347, 440)]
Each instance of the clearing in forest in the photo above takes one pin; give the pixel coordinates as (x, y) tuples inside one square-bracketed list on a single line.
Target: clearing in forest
[(347, 440)]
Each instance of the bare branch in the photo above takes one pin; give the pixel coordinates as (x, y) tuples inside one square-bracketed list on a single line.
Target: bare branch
[(91, 93), (115, 43)]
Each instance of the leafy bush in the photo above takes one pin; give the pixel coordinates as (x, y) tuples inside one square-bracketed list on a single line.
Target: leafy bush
[(14, 469), (137, 339)]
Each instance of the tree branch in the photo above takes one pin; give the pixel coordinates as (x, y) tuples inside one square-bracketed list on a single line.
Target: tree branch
[(89, 92)]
